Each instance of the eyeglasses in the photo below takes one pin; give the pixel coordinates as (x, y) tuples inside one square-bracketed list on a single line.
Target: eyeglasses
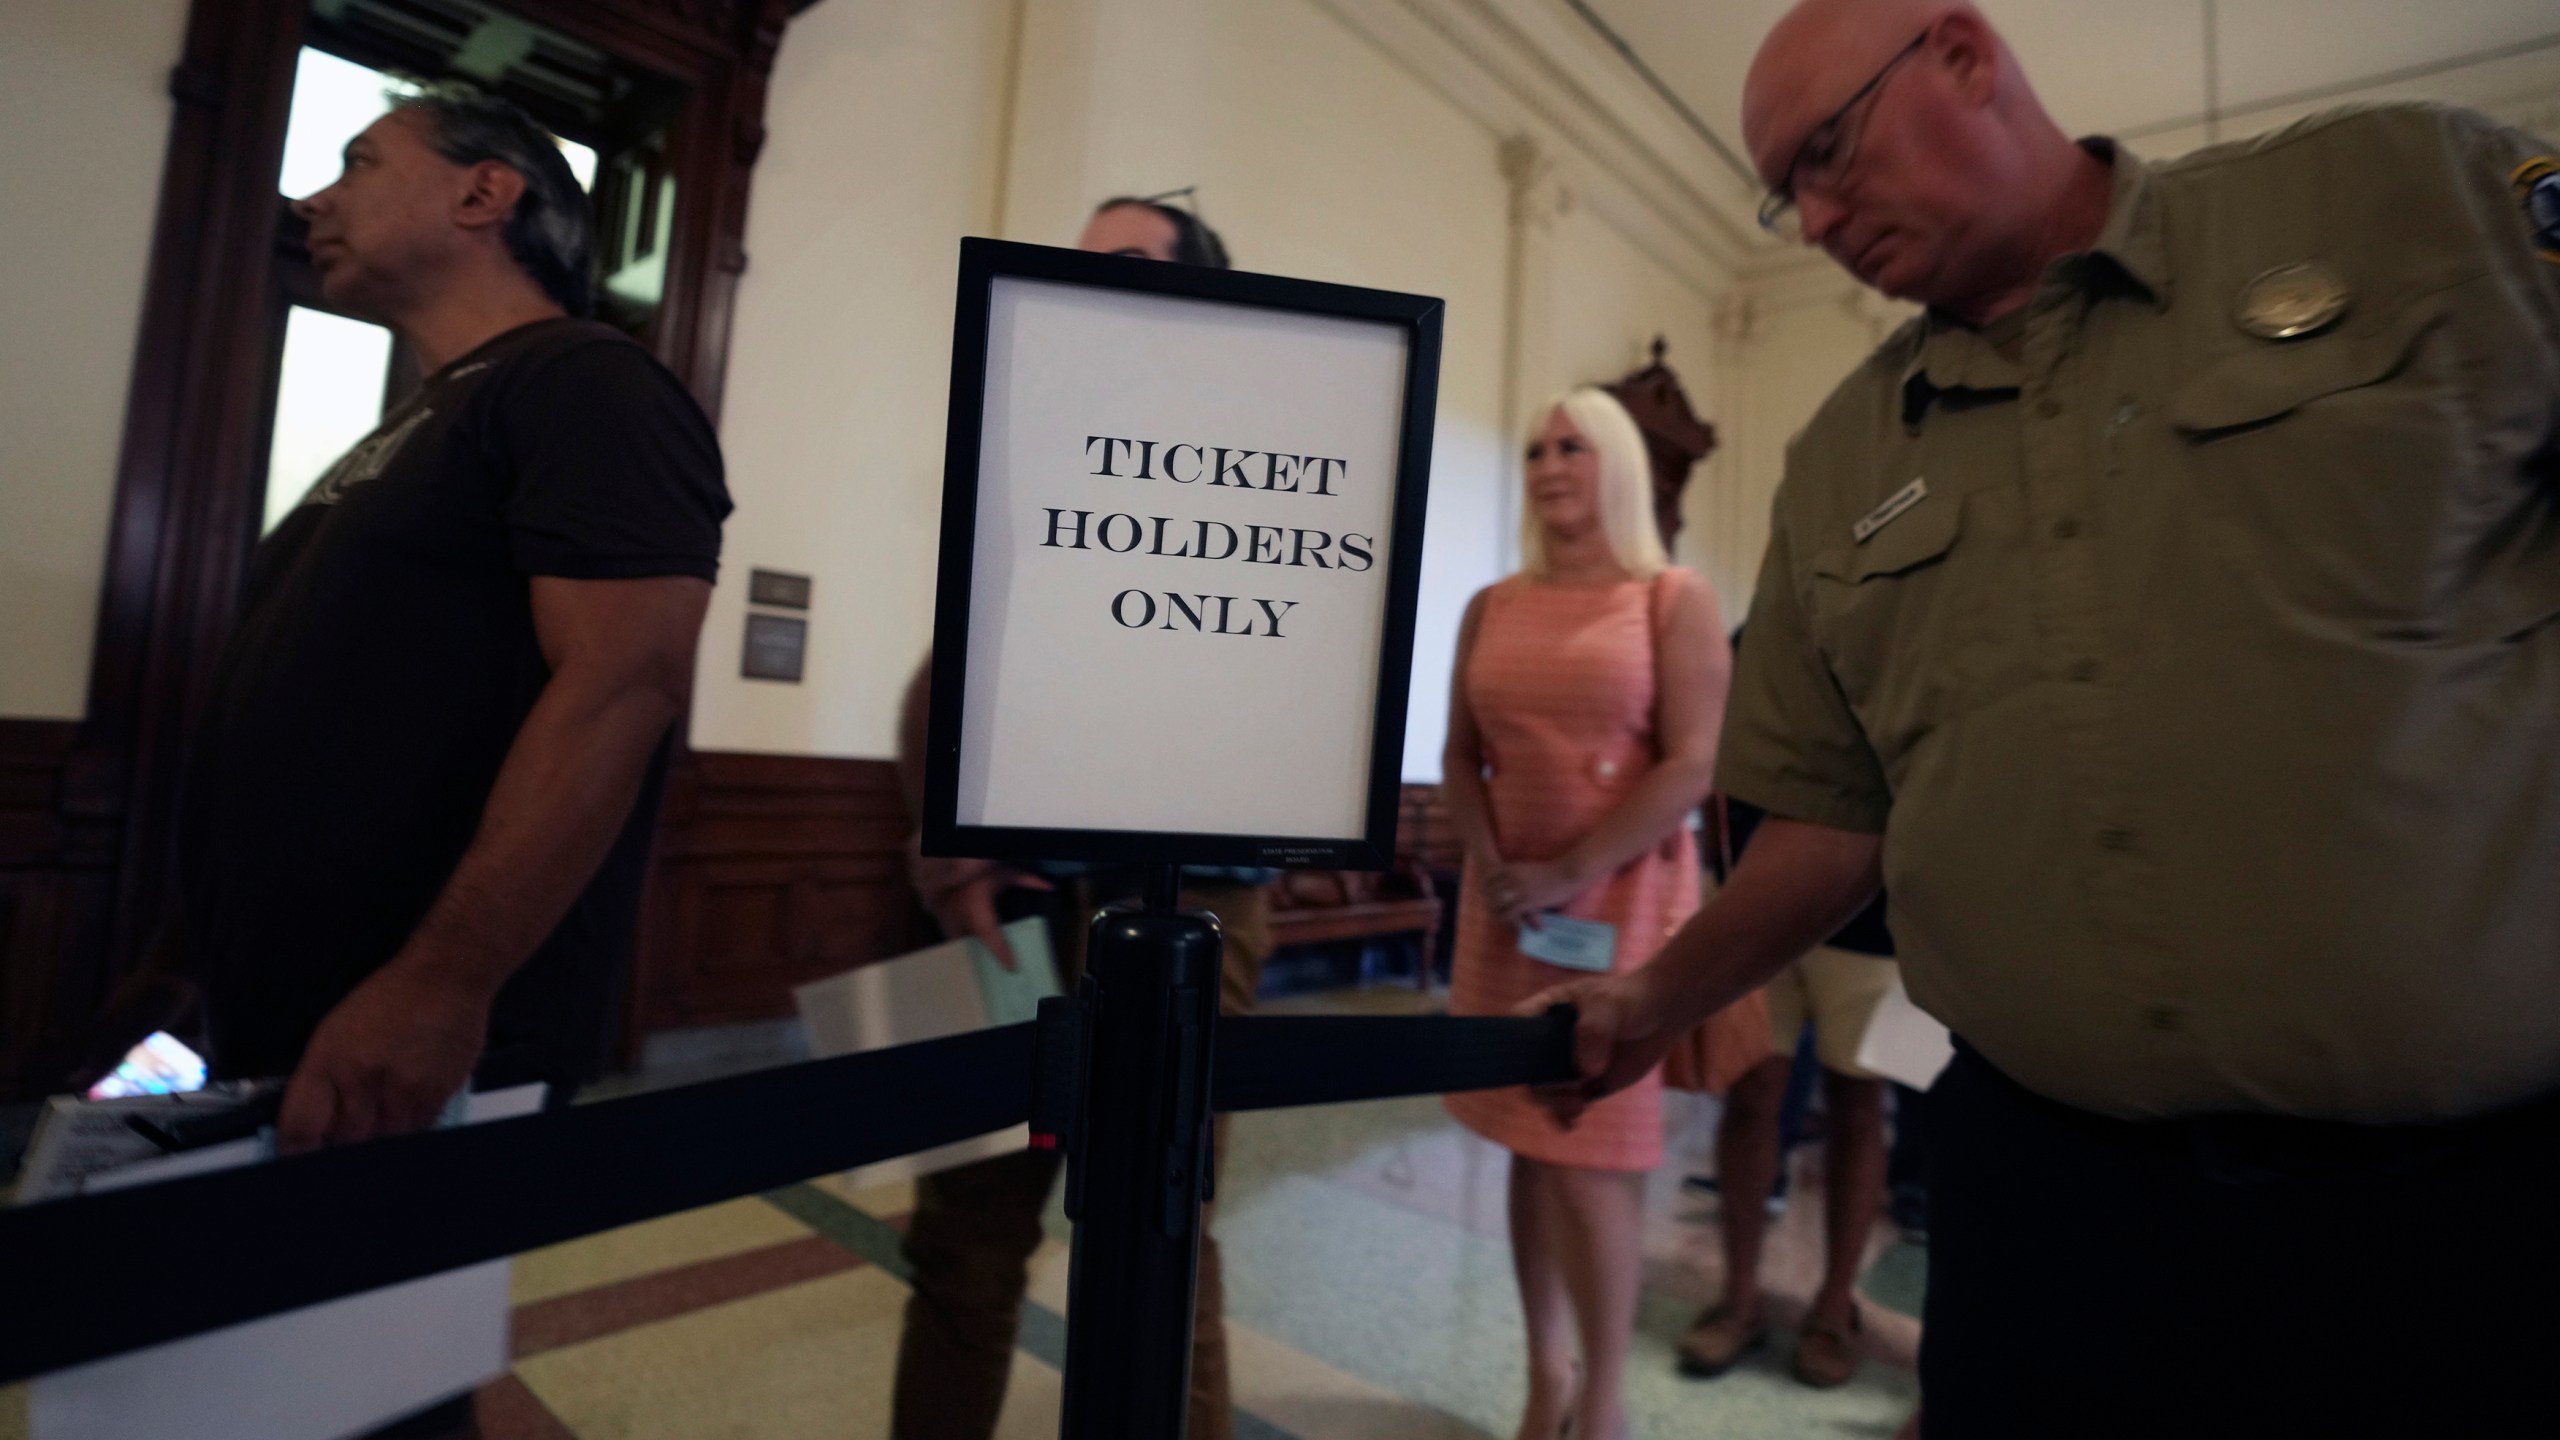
[(1824, 156)]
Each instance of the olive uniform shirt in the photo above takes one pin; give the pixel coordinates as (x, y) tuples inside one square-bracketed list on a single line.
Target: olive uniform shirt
[(2208, 695)]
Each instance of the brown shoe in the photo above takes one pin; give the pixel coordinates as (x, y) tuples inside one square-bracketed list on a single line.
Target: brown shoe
[(1827, 1355), (1717, 1341)]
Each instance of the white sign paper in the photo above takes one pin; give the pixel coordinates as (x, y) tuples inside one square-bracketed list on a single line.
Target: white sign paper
[(1180, 576)]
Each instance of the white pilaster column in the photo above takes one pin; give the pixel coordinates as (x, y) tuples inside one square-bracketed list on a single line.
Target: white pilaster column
[(1540, 199)]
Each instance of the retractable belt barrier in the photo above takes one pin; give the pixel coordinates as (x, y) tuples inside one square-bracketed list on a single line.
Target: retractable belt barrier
[(94, 1276)]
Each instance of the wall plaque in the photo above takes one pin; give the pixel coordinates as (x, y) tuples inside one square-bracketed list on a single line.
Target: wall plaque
[(775, 647)]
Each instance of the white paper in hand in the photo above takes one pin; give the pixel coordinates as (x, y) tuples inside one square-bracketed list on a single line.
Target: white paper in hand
[(1013, 996), (1561, 940), (945, 989), (1904, 1042)]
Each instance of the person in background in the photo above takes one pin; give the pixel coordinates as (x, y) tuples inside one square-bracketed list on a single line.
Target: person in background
[(975, 1227), (2169, 618), (423, 787), (1582, 724), (1150, 229), (1834, 988)]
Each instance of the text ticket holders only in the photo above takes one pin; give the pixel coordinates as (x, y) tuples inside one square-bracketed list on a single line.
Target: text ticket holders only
[(1181, 546)]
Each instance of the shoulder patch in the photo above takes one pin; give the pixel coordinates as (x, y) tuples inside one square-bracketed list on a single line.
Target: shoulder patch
[(2537, 186)]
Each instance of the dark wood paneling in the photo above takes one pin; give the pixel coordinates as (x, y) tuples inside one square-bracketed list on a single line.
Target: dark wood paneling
[(32, 829), (1425, 836), (57, 874), (772, 870)]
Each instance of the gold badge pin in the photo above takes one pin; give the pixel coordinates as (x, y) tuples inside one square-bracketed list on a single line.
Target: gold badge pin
[(2292, 301), (2537, 184)]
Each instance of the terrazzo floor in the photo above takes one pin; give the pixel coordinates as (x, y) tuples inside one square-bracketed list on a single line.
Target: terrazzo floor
[(1368, 1282)]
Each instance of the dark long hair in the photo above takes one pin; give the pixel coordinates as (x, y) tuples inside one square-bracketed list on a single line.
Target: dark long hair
[(551, 234)]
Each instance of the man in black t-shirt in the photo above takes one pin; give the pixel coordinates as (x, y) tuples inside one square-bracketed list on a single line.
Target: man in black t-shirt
[(423, 789)]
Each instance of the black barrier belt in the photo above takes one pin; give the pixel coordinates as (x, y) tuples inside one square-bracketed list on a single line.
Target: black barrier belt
[(101, 1274), (98, 1275), (1268, 1062)]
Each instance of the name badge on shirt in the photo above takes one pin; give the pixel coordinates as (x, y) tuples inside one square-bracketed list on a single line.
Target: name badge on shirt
[(1573, 944), (1885, 514)]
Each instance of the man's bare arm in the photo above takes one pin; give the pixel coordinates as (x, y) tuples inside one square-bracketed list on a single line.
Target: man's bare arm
[(1797, 884), (621, 656)]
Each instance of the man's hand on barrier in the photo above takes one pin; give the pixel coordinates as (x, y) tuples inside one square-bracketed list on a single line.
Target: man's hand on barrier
[(1797, 883), (385, 1062), (961, 895), (1617, 1038)]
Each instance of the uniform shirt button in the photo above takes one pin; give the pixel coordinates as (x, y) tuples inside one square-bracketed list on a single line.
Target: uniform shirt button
[(2066, 529), (2049, 408), (1606, 769), (2084, 671), (2115, 837)]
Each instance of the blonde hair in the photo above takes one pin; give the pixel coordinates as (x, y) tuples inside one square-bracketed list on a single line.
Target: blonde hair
[(1626, 485)]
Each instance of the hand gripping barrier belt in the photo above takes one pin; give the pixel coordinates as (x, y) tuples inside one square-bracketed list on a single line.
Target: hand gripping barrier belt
[(94, 1276)]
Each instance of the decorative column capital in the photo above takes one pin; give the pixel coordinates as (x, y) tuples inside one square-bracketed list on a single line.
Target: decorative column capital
[(1539, 194)]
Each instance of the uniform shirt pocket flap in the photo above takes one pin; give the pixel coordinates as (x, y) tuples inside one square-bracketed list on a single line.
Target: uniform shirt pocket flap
[(2271, 382), (1911, 539)]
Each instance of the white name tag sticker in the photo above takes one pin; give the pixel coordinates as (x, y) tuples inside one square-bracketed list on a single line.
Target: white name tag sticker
[(1572, 944), (1885, 514)]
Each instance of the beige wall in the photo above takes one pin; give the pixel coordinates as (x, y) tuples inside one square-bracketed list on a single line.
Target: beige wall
[(899, 125), (85, 105), (1787, 346), (1612, 300), (881, 151)]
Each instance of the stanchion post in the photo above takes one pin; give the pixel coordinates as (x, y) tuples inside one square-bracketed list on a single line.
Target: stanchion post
[(1139, 1176)]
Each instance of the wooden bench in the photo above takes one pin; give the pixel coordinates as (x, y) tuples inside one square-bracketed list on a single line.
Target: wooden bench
[(1311, 906), (1315, 907)]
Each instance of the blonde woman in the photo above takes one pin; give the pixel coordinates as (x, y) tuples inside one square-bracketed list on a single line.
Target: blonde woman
[(1582, 734)]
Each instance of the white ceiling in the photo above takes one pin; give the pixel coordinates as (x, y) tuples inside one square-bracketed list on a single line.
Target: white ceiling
[(2139, 67)]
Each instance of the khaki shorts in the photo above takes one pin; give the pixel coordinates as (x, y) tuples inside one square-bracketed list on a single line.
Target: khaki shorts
[(1839, 990)]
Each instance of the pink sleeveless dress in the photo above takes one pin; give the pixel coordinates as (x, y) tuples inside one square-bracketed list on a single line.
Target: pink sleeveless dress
[(1561, 683)]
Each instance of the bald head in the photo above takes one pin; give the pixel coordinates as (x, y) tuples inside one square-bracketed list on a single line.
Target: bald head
[(1816, 56), (1915, 151)]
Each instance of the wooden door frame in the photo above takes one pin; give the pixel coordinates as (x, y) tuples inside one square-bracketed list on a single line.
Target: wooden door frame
[(100, 797)]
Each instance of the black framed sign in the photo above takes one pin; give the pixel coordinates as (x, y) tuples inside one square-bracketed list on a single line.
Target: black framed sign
[(1181, 542)]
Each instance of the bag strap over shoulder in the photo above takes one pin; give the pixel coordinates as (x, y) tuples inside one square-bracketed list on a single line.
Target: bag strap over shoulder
[(1483, 604), (1657, 596)]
